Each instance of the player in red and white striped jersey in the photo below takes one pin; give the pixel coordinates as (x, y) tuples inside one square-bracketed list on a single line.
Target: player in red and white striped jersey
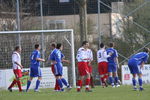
[(83, 70), (103, 64), (16, 61)]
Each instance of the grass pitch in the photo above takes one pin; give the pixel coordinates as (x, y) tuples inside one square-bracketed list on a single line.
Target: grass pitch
[(99, 93)]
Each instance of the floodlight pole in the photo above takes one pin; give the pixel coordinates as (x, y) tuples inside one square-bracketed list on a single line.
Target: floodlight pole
[(42, 35), (18, 20), (99, 32)]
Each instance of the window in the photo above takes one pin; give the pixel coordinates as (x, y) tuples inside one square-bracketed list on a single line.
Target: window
[(63, 1), (56, 24)]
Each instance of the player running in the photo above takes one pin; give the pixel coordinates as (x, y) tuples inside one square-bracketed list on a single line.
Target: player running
[(103, 64), (113, 65), (89, 62), (35, 70), (136, 63), (16, 60), (57, 58), (83, 70)]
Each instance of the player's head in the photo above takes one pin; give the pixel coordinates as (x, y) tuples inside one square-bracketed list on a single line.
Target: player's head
[(147, 50), (85, 44), (37, 46), (17, 48), (111, 44), (53, 46), (102, 45), (59, 46)]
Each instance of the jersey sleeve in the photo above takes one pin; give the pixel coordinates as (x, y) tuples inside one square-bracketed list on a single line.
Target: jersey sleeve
[(37, 55), (106, 55), (14, 57), (62, 56), (115, 53), (146, 58)]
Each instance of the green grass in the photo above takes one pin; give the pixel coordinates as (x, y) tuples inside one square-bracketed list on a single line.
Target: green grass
[(99, 93)]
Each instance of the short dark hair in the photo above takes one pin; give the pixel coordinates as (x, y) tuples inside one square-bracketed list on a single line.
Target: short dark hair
[(146, 50), (16, 48), (58, 45), (84, 43), (111, 44), (102, 45), (36, 46), (53, 45)]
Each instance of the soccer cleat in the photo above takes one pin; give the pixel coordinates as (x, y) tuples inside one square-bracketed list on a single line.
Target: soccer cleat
[(141, 89), (10, 89), (36, 90), (69, 88), (117, 85), (88, 90), (113, 86), (135, 89)]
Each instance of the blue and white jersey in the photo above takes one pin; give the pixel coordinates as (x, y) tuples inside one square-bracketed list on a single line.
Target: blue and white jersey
[(140, 57), (35, 54), (114, 55)]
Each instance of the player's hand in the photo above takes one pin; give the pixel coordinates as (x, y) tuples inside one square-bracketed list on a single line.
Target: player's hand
[(118, 66), (43, 60)]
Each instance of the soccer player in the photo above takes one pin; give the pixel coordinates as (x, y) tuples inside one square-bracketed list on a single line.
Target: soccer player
[(135, 64), (90, 56), (103, 64), (83, 70), (35, 70), (113, 65), (57, 58), (16, 60), (53, 47)]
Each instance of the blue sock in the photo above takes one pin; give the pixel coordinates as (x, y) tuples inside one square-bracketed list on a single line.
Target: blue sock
[(116, 80), (111, 80), (28, 85), (60, 83), (140, 82), (37, 84), (64, 81), (134, 81)]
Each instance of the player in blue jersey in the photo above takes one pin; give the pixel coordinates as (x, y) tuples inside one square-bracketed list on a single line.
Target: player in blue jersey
[(136, 63), (56, 58), (113, 65), (35, 70)]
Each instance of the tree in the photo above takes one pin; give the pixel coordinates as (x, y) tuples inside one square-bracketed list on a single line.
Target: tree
[(83, 19)]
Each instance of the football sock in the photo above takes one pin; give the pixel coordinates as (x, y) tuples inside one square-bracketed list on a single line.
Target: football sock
[(37, 84)]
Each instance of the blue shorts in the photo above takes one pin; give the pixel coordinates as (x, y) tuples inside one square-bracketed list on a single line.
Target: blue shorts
[(35, 72), (58, 69), (134, 67), (112, 67)]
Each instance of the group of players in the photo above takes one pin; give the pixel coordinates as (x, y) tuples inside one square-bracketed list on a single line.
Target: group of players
[(107, 60)]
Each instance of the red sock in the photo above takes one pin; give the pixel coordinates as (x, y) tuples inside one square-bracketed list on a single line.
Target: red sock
[(79, 85), (57, 86), (106, 77), (19, 85), (102, 79), (87, 83), (12, 84)]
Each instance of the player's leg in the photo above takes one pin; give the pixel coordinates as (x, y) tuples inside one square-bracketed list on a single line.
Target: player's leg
[(11, 85), (116, 79), (29, 83), (82, 73), (91, 76), (32, 74), (18, 75), (87, 83), (101, 73), (39, 75), (139, 73), (110, 70), (105, 73)]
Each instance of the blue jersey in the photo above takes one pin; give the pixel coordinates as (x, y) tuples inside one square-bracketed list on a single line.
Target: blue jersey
[(56, 55), (35, 54), (114, 55), (140, 57)]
